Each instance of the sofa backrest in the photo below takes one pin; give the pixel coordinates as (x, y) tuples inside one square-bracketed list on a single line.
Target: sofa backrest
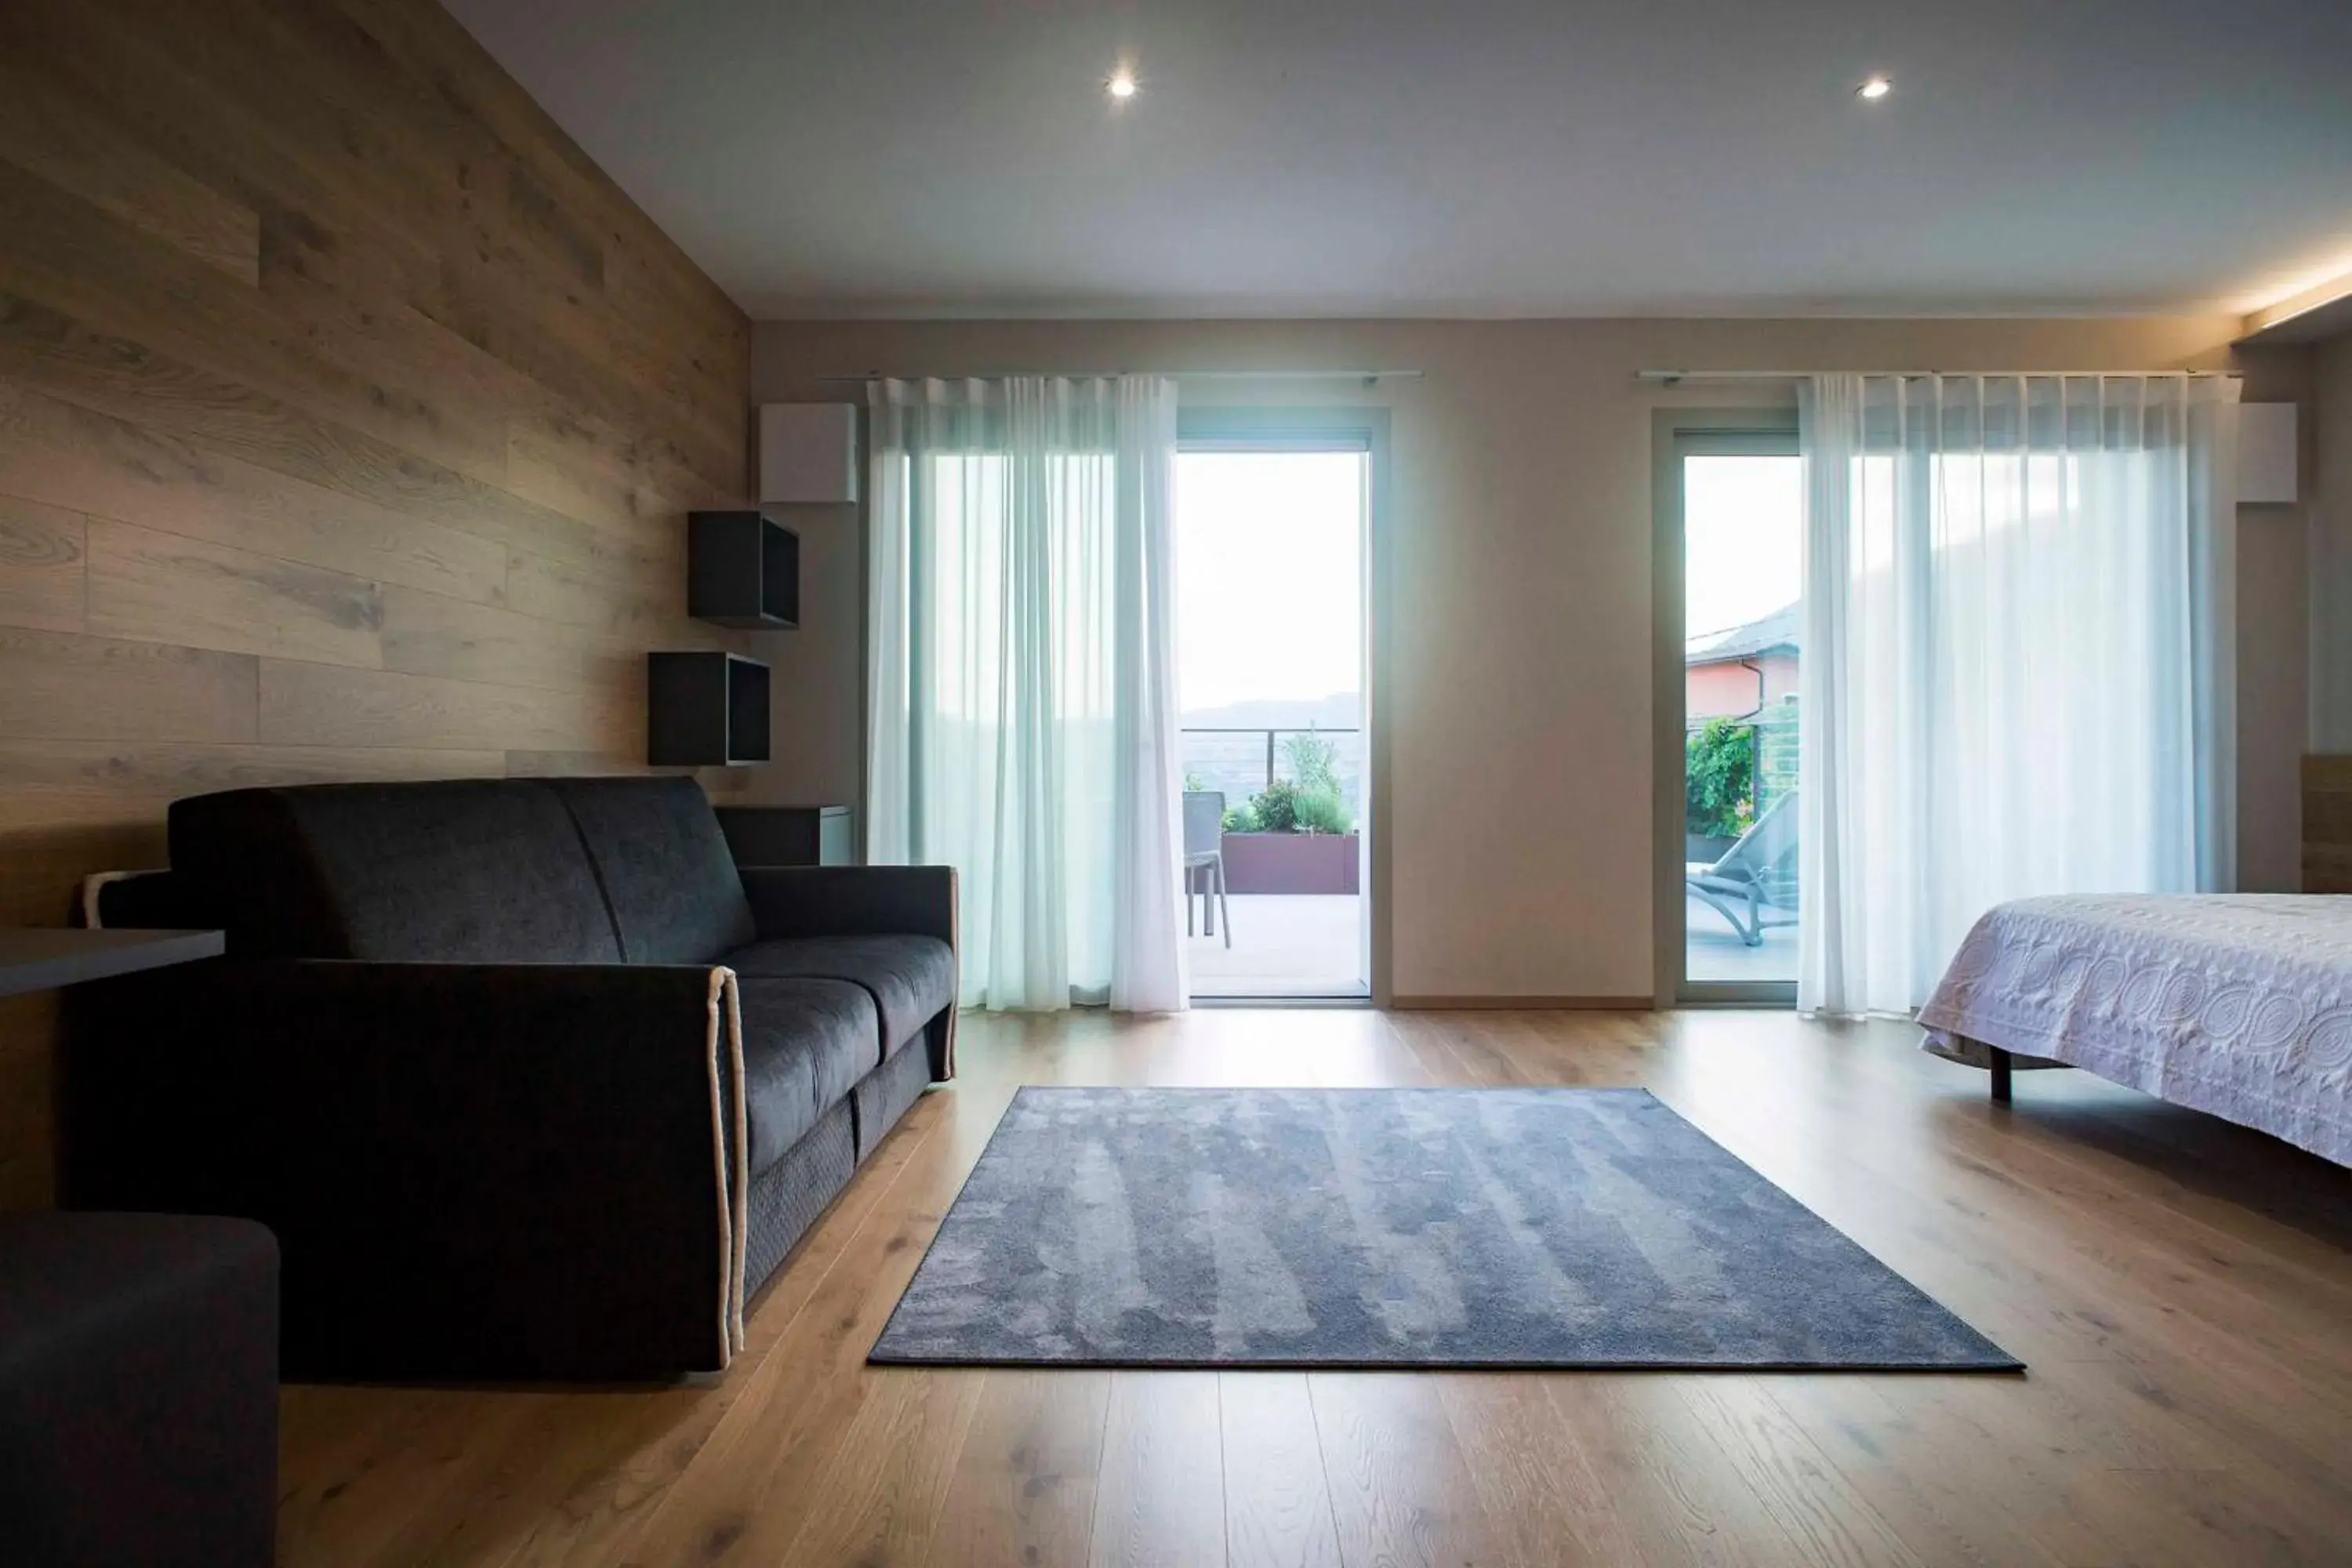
[(464, 872), (667, 874)]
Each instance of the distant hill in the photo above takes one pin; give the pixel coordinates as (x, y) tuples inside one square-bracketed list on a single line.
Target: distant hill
[(1340, 710)]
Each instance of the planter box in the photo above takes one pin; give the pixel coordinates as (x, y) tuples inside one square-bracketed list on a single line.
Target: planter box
[(1292, 863)]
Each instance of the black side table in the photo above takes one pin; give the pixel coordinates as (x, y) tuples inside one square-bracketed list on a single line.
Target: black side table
[(42, 958), (138, 1352), (138, 1391), (790, 834)]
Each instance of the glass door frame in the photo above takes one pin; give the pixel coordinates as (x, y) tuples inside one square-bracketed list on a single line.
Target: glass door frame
[(1678, 434), (1361, 427)]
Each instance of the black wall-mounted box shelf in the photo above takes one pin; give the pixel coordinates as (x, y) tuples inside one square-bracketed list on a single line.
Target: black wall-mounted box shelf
[(743, 569), (705, 710)]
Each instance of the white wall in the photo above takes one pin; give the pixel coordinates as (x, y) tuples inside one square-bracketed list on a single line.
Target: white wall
[(1521, 635)]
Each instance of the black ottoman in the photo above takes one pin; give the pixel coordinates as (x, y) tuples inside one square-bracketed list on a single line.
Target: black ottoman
[(138, 1391)]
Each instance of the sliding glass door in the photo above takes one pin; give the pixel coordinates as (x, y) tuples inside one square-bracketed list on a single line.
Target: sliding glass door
[(1732, 525), (1273, 548)]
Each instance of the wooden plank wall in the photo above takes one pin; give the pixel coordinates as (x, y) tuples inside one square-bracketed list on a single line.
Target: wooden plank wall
[(348, 414)]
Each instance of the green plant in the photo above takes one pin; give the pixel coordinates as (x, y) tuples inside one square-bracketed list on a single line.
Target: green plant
[(1308, 801), (1283, 807), (1275, 807), (1194, 783), (1322, 811), (1314, 761), (1720, 772)]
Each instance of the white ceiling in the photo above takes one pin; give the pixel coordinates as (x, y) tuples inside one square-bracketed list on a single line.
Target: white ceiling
[(1465, 157)]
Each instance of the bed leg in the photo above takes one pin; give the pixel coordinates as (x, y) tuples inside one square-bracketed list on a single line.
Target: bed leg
[(1999, 1074)]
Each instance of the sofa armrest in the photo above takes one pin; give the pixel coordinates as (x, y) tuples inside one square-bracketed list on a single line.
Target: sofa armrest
[(502, 1171), (852, 901)]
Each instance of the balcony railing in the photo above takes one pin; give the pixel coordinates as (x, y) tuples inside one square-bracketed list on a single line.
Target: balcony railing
[(1241, 760)]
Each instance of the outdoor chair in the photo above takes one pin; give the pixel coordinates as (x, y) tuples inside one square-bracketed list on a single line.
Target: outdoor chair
[(1752, 884), (1204, 855)]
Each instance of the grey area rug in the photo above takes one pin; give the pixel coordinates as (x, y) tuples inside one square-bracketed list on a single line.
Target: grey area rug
[(1395, 1228)]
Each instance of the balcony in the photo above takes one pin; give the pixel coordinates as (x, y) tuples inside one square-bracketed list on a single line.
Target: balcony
[(1715, 951), (1284, 944), (1738, 772), (1294, 893)]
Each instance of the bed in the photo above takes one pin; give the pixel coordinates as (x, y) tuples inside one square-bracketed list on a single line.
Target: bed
[(2240, 1005)]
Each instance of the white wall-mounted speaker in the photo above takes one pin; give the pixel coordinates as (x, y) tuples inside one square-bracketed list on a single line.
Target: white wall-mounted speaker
[(808, 453)]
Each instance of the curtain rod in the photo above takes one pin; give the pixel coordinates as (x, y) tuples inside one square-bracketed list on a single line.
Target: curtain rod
[(1366, 376), (1676, 377)]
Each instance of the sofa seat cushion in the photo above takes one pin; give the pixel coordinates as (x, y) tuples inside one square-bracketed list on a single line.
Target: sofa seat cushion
[(911, 978), (805, 1045)]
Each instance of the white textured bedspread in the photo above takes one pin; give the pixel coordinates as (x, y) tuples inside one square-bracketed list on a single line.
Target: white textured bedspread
[(2238, 1005)]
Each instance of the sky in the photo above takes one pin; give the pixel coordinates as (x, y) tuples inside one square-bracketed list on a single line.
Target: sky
[(1743, 520), (1269, 592)]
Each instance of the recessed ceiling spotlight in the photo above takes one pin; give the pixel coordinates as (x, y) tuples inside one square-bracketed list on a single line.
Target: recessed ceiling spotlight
[(1874, 89), (1121, 85)]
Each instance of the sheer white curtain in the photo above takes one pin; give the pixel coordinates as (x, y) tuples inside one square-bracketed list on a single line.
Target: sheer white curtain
[(1020, 680), (2017, 675)]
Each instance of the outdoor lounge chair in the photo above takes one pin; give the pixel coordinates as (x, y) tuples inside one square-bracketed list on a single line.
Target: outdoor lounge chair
[(1752, 884)]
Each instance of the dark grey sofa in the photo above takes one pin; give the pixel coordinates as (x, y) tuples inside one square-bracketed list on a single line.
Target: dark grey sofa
[(528, 1078)]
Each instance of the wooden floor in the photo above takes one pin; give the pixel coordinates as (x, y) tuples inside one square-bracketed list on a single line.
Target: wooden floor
[(2181, 1290)]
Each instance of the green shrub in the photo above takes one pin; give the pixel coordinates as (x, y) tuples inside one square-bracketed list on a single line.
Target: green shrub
[(1322, 811), (1284, 806), (1277, 807), (1314, 761), (1720, 779)]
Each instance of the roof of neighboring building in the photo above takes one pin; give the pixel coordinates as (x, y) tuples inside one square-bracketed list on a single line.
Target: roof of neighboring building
[(1773, 633)]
